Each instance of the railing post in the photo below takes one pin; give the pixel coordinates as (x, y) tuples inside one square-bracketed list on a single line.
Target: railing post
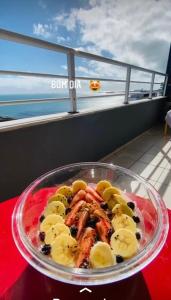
[(127, 85), (165, 85), (71, 78), (151, 86)]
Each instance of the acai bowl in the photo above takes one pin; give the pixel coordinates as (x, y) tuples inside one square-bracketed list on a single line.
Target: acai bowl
[(90, 223)]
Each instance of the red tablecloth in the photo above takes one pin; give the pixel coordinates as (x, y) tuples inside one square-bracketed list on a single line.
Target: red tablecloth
[(19, 281)]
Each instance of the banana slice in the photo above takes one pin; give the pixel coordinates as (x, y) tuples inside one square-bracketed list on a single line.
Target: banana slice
[(78, 185), (109, 192), (102, 185), (123, 221), (109, 196), (55, 231), (49, 221), (101, 255), (66, 191), (120, 199), (55, 207), (59, 197), (63, 250), (119, 209), (124, 243)]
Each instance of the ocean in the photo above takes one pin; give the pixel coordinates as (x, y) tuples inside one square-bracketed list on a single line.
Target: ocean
[(38, 109)]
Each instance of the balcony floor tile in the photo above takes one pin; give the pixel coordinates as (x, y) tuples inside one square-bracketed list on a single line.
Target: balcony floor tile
[(148, 155)]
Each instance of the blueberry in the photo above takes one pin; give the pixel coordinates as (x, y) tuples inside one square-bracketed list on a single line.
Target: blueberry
[(67, 210), (131, 205), (46, 249), (42, 236), (92, 222), (136, 219), (73, 230), (42, 218), (104, 205), (119, 259), (69, 199), (138, 235)]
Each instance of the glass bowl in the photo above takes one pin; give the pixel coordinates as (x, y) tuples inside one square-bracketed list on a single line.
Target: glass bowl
[(151, 208)]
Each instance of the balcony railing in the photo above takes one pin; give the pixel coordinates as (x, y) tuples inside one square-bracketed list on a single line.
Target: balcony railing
[(71, 54)]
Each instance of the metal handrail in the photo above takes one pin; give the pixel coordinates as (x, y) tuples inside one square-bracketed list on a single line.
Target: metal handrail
[(113, 62), (71, 53), (46, 75), (32, 74), (25, 39)]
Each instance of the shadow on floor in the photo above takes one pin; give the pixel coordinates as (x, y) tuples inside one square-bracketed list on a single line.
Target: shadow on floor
[(149, 155)]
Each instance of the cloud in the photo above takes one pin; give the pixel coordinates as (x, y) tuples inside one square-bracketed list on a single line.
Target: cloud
[(64, 67), (67, 20), (43, 30), (49, 31), (81, 71), (42, 4), (136, 32), (61, 39)]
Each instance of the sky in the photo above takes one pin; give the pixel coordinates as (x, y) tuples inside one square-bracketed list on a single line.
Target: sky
[(136, 32)]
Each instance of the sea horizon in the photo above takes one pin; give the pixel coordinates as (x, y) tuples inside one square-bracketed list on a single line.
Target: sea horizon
[(20, 111)]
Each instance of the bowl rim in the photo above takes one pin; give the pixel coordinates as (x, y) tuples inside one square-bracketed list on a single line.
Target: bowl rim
[(128, 267)]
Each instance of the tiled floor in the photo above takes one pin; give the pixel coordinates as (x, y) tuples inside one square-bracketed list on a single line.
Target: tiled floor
[(149, 155)]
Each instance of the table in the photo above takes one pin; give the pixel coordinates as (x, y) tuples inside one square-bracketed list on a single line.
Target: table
[(19, 281)]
